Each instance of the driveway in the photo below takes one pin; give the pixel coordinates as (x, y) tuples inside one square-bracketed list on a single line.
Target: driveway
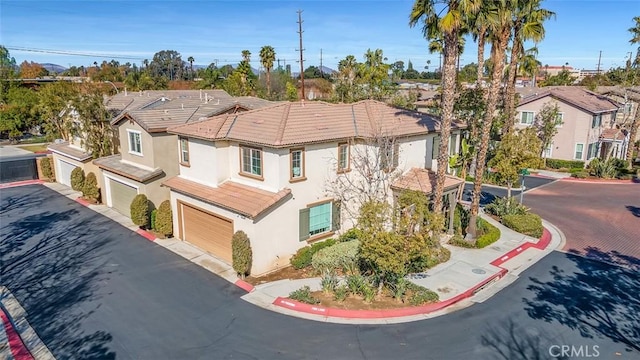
[(490, 192), (93, 289), (598, 220)]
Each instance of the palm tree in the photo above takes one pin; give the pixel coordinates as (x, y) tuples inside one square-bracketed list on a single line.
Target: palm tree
[(529, 64), (448, 25), (499, 26), (527, 24), (191, 60), (267, 57), (635, 39), (479, 33)]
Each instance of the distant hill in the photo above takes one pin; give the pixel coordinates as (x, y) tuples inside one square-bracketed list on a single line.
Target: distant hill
[(53, 68), (327, 70)]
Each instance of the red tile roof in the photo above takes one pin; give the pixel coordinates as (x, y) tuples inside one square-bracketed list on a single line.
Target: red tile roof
[(613, 135), (423, 180), (577, 96)]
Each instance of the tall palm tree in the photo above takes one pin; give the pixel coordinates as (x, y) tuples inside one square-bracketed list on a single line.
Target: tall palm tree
[(448, 24), (191, 60), (635, 39), (267, 57), (527, 24), (529, 64), (499, 25), (479, 33)]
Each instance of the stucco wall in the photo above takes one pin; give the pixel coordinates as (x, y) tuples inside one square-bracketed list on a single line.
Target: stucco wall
[(204, 163), (147, 158)]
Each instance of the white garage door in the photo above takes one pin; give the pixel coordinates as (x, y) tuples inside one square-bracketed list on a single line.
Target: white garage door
[(64, 172), (121, 196)]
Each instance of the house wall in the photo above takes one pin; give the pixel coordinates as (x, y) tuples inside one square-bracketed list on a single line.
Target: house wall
[(147, 158), (204, 162), (87, 167)]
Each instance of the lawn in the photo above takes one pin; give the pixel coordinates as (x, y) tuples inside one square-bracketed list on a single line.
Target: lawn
[(34, 148)]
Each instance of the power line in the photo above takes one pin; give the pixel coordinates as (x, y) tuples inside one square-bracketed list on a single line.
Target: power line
[(73, 53)]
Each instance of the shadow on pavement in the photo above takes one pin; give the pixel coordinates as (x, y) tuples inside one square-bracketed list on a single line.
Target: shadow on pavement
[(510, 342), (50, 265), (634, 210), (596, 298)]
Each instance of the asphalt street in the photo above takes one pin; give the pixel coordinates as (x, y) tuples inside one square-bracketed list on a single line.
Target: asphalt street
[(95, 290), (489, 192)]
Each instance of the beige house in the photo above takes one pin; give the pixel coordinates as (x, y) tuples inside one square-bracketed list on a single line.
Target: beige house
[(147, 151), (588, 123), (272, 172)]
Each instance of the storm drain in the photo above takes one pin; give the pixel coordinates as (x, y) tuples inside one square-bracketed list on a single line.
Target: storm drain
[(478, 271)]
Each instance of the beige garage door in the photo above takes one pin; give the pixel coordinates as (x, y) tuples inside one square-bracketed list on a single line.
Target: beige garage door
[(121, 196), (207, 231)]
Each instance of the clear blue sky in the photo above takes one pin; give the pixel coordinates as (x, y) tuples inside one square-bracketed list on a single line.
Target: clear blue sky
[(209, 30)]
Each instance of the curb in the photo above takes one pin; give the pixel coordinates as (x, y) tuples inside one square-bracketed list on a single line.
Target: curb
[(294, 305), (147, 235), (20, 183), (519, 188), (16, 346), (244, 285), (547, 177), (82, 202), (601, 182)]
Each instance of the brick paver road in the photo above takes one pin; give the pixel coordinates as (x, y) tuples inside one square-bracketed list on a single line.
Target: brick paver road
[(599, 221)]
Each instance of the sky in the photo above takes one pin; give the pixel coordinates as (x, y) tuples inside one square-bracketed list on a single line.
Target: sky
[(83, 31)]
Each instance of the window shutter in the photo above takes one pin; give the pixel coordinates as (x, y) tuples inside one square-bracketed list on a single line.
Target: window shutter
[(304, 224), (335, 216)]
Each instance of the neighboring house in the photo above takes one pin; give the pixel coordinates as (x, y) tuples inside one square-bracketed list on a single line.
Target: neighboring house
[(629, 100), (588, 123), (268, 172), (147, 151)]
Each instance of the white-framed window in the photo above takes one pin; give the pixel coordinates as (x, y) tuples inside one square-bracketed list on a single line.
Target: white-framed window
[(135, 142), (297, 164), (592, 150), (526, 117), (389, 154), (596, 121), (251, 161), (319, 218), (627, 108), (548, 151), (559, 120), (184, 151), (579, 151), (343, 157)]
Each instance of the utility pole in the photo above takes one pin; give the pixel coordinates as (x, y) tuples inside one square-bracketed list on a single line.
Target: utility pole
[(599, 58), (278, 63), (301, 52), (321, 72)]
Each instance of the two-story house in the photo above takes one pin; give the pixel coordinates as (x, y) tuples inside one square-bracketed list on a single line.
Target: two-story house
[(269, 172), (588, 123), (147, 151)]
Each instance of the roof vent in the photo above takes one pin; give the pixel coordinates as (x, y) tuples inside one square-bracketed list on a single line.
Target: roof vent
[(166, 111)]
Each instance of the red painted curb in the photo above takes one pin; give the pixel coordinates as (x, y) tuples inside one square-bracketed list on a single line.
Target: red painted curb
[(244, 285), (602, 182), (545, 177), (20, 183), (17, 347), (147, 235)]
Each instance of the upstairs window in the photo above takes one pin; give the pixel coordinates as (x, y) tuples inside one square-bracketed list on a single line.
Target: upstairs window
[(389, 154), (596, 121), (135, 142), (526, 117), (251, 159), (184, 151), (343, 157), (297, 164)]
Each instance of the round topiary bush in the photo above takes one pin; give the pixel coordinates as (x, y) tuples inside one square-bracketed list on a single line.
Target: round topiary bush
[(241, 253), (90, 189), (77, 179), (47, 169), (140, 210), (164, 220)]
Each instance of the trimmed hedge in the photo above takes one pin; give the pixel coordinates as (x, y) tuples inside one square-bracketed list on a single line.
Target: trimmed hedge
[(140, 210), (566, 164), (242, 255), (164, 220), (77, 179), (529, 224), (90, 189), (339, 256), (47, 168), (304, 256), (351, 234), (490, 233)]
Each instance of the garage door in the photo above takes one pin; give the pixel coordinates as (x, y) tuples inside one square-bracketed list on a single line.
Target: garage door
[(64, 176), (121, 196), (207, 231)]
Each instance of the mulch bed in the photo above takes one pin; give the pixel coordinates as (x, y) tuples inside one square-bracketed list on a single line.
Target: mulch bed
[(354, 302), (282, 274)]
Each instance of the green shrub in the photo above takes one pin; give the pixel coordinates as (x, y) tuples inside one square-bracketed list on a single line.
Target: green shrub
[(580, 175), (355, 283), (559, 164), (164, 219), (604, 169), (502, 206), (490, 233), (90, 189), (430, 257), (47, 168), (458, 240), (340, 293), (241, 253), (342, 255), (140, 210), (304, 256), (421, 295), (77, 179), (351, 234), (304, 295), (328, 280), (461, 218), (529, 224), (154, 214)]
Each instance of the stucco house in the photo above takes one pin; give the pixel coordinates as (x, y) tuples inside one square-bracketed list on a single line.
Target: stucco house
[(268, 172), (588, 123), (147, 151)]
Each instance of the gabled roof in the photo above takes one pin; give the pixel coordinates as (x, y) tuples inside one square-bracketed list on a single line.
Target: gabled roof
[(613, 135), (423, 180), (287, 124), (579, 97)]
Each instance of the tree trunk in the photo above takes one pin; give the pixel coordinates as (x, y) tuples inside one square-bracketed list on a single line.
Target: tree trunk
[(632, 136), (448, 98), (269, 81), (508, 189), (510, 93), (498, 49), (481, 41)]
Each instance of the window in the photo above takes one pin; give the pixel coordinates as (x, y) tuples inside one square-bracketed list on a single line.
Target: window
[(343, 157), (318, 219), (452, 145), (184, 151), (251, 161), (435, 146), (592, 151), (135, 142), (627, 108), (596, 121), (548, 151), (559, 120), (526, 117), (389, 154), (297, 164), (578, 154)]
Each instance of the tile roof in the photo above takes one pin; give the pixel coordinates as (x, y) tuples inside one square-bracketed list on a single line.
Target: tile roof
[(577, 96), (115, 165), (287, 124), (242, 199), (423, 180), (69, 150), (613, 135)]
